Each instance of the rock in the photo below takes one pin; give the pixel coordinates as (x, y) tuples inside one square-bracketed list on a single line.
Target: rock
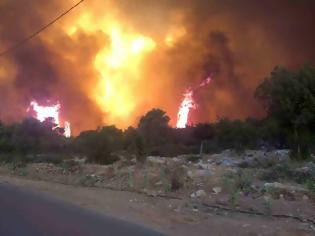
[(160, 183), (190, 174), (304, 226), (193, 195), (200, 193), (183, 166), (80, 160), (203, 166), (203, 173), (177, 160), (285, 187), (217, 190), (194, 174), (305, 172), (282, 154), (156, 160), (151, 193), (305, 197)]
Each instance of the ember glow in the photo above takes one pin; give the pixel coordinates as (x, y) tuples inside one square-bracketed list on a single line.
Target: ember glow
[(44, 112), (187, 104)]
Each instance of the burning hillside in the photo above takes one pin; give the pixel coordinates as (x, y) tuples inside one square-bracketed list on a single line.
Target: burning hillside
[(111, 61)]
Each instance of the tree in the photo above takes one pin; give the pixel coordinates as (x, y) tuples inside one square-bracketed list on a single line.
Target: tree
[(99, 144), (154, 128), (133, 143), (289, 97)]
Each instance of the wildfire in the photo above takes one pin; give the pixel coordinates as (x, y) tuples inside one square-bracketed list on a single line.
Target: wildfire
[(185, 106), (188, 103), (119, 63), (44, 112), (119, 67), (67, 128)]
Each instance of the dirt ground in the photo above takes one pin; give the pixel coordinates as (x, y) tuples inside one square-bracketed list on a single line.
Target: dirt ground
[(183, 216)]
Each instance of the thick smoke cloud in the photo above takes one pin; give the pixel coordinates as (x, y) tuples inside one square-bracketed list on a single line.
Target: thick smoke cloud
[(238, 42)]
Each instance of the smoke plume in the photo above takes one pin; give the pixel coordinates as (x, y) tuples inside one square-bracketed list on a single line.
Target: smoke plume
[(108, 62)]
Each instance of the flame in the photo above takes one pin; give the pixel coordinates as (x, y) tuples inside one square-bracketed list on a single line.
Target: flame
[(188, 103), (44, 112), (119, 64), (67, 128), (185, 106), (119, 68)]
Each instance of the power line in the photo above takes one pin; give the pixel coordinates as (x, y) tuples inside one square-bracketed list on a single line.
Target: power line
[(19, 44)]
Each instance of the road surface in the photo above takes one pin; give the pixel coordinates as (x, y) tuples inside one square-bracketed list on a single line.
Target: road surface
[(26, 213)]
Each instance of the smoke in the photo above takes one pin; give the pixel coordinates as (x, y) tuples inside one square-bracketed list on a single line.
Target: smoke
[(111, 61)]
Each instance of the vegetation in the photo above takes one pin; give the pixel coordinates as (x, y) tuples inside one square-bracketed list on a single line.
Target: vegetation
[(289, 99), (287, 96)]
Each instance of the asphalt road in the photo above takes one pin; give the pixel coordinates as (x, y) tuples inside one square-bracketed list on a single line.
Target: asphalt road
[(26, 213)]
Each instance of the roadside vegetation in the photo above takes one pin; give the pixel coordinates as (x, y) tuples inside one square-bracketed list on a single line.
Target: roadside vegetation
[(287, 96)]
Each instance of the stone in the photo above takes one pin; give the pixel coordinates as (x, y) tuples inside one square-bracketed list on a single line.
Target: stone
[(193, 174), (286, 187), (190, 174), (217, 190), (200, 193), (203, 166), (159, 183), (305, 197), (156, 160)]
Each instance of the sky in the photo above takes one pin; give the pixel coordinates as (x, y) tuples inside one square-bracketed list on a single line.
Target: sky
[(109, 62)]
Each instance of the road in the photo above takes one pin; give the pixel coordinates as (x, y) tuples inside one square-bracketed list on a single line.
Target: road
[(26, 213)]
